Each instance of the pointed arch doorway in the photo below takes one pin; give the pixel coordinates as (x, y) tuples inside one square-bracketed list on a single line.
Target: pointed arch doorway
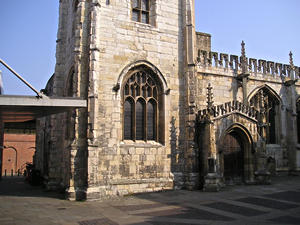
[(233, 160), (235, 152)]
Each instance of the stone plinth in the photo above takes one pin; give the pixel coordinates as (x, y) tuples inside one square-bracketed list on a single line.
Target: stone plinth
[(262, 177), (213, 182)]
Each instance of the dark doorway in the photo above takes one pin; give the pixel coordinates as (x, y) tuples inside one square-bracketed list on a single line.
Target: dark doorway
[(233, 156)]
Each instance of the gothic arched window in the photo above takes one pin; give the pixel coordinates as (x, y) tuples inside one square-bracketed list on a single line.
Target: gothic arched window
[(265, 101), (142, 107)]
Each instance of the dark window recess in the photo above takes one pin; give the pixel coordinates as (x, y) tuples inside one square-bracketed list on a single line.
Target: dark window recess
[(145, 5), (140, 110), (272, 128), (128, 126), (135, 3), (151, 121), (140, 10), (135, 15)]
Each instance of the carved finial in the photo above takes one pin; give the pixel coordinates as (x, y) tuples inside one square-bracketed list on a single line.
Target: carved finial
[(291, 60), (243, 58), (243, 51), (209, 97), (261, 99)]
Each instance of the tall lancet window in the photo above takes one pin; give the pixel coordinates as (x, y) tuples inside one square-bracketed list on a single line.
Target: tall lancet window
[(267, 101)]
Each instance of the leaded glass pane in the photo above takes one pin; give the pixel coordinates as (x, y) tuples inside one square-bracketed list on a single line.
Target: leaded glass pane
[(145, 17), (155, 92), (149, 92), (137, 90), (151, 132), (132, 91), (144, 89), (126, 89), (138, 78), (135, 3), (128, 113), (132, 78), (144, 78), (145, 5), (140, 112), (135, 16)]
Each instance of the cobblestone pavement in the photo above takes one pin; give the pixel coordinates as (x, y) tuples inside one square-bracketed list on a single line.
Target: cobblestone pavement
[(278, 203)]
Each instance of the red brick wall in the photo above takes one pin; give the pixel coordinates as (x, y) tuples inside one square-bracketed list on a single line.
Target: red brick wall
[(1, 143), (25, 147)]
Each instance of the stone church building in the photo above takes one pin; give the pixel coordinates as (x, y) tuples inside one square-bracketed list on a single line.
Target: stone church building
[(164, 111)]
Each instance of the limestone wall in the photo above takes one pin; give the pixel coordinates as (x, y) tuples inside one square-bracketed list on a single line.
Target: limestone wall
[(116, 166), (221, 71)]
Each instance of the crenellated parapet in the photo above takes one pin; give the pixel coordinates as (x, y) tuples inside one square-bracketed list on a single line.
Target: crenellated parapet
[(207, 59), (227, 108)]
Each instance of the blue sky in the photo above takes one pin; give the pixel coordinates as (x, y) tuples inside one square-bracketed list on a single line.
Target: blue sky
[(270, 29)]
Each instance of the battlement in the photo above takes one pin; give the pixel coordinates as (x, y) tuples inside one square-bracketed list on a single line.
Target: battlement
[(208, 59)]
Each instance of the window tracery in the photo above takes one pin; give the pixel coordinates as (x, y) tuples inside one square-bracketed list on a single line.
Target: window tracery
[(266, 102), (141, 106)]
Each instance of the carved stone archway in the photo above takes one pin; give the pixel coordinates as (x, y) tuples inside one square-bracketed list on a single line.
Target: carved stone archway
[(235, 153)]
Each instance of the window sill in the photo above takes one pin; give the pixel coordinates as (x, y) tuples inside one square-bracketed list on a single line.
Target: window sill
[(147, 144), (145, 25)]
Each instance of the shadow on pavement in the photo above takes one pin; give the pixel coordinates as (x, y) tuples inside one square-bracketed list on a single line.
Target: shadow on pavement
[(17, 186)]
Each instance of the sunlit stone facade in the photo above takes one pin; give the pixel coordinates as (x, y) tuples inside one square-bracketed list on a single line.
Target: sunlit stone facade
[(160, 105)]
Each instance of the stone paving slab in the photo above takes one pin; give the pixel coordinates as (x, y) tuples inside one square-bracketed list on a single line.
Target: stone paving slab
[(138, 207), (102, 221), (268, 203), (235, 209), (286, 220), (292, 196), (22, 204), (190, 213)]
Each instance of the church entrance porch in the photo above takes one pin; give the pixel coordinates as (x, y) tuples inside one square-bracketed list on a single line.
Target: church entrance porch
[(233, 160), (236, 156)]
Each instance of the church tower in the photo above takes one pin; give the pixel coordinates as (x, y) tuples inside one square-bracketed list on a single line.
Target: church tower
[(131, 60)]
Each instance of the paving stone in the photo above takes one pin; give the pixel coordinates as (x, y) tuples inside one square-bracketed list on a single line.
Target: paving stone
[(190, 213), (245, 211), (267, 203), (292, 196), (138, 207), (38, 207), (286, 220), (102, 221), (171, 223)]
